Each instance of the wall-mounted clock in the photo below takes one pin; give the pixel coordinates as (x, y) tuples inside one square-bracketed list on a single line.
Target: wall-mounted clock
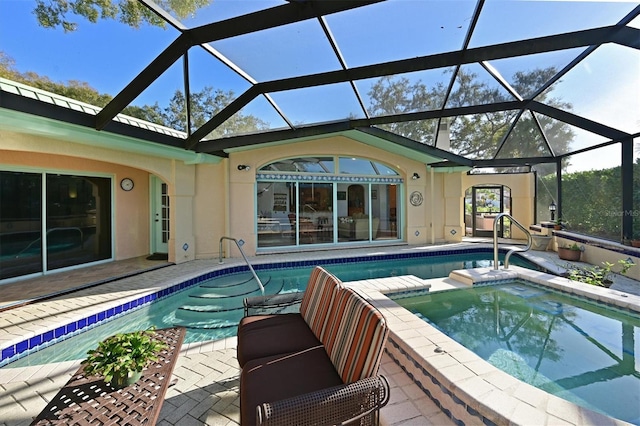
[(126, 184)]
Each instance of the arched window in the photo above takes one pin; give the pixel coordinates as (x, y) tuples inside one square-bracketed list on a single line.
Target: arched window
[(326, 200)]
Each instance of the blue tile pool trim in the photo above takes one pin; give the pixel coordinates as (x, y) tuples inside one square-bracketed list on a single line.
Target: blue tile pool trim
[(50, 337)]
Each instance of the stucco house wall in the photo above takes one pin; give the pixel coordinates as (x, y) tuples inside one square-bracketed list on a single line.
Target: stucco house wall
[(212, 200), (242, 189)]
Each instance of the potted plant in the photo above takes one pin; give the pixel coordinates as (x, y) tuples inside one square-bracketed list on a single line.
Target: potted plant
[(558, 224), (571, 252), (121, 358), (597, 275), (635, 240)]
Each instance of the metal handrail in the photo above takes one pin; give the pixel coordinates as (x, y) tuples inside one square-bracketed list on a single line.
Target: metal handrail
[(245, 259), (510, 252)]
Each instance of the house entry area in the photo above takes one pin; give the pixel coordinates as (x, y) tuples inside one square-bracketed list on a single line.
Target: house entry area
[(481, 205), (326, 200), (50, 221)]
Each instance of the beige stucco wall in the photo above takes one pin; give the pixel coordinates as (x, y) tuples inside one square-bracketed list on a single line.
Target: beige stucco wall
[(209, 208), (209, 201), (242, 208), (522, 187), (131, 209)]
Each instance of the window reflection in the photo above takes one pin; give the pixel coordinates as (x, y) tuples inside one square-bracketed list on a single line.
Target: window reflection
[(303, 212), (20, 224), (78, 222)]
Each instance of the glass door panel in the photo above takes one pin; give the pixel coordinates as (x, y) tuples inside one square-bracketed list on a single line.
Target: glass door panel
[(78, 220), (487, 204), (20, 224), (315, 213), (276, 225)]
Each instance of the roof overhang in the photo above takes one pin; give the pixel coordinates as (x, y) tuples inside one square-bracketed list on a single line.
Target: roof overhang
[(21, 122)]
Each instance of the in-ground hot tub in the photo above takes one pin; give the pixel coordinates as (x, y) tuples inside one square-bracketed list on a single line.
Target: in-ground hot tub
[(467, 387)]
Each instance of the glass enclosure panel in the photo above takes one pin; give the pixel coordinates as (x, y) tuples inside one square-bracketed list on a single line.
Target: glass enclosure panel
[(20, 224), (78, 220), (422, 131), (546, 192), (592, 199), (331, 102), (636, 191)]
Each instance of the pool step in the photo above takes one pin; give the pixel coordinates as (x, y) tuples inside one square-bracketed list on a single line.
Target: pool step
[(218, 311), (196, 302), (209, 324), (229, 280), (245, 289)]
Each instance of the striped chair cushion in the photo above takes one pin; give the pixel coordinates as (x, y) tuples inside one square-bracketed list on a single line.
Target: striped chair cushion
[(355, 339), (318, 299)]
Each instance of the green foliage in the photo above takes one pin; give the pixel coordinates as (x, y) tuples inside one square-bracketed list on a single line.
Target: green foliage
[(597, 275), (479, 135), (203, 104), (64, 13), (574, 247), (592, 201), (122, 353)]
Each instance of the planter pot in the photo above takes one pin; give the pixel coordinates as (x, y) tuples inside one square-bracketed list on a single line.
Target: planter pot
[(120, 381), (568, 254), (635, 243)]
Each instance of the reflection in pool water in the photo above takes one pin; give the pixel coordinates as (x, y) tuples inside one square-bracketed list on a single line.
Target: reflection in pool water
[(576, 349)]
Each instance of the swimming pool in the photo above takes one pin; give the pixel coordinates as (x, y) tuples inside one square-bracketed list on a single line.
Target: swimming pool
[(578, 349), (53, 346)]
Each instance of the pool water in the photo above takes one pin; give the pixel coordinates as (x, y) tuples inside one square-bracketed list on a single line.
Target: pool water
[(577, 349), (212, 309)]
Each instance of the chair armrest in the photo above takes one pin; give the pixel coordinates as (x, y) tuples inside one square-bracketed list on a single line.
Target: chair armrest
[(342, 404), (276, 303)]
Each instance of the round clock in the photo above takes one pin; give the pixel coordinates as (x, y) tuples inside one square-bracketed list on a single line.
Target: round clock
[(415, 198), (126, 184)]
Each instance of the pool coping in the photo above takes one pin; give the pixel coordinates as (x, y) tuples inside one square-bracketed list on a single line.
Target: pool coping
[(463, 385), (32, 327), (437, 375)]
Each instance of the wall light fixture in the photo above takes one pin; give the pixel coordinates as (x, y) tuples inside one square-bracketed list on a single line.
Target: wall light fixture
[(244, 167), (415, 176)]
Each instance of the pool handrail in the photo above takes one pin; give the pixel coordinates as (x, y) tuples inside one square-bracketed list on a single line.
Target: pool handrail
[(510, 252), (255, 276)]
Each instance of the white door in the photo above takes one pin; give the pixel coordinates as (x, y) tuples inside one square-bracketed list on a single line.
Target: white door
[(159, 216)]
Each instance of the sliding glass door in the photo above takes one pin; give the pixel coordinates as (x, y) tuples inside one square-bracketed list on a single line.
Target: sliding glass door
[(77, 226)]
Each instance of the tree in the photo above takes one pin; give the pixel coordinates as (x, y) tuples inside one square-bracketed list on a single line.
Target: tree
[(73, 89), (479, 135), (63, 13), (204, 104)]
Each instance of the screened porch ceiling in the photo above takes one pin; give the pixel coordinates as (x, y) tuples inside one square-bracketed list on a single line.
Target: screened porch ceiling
[(506, 83)]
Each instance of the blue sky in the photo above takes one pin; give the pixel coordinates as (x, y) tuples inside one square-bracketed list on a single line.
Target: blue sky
[(108, 55)]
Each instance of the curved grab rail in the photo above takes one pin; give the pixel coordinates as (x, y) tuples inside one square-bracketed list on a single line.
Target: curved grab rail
[(245, 259), (510, 252)]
